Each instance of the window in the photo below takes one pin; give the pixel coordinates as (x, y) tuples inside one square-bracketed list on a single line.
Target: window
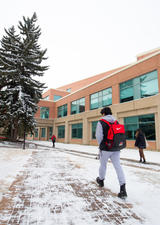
[(36, 132), (126, 91), (144, 122), (68, 90), (56, 97), (50, 131), (94, 125), (44, 112), (61, 131), (101, 99), (43, 134), (77, 131), (62, 111), (149, 84), (78, 106), (139, 87)]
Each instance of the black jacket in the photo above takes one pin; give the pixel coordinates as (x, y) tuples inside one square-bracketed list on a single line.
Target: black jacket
[(140, 141)]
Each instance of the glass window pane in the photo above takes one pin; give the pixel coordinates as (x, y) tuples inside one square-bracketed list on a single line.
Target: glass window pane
[(56, 97), (77, 131), (95, 95), (78, 106), (139, 87), (61, 131), (126, 94), (94, 103), (62, 111), (81, 108), (94, 125), (43, 134), (101, 98), (50, 131), (36, 132), (145, 122), (107, 100), (149, 88), (73, 107), (149, 76), (65, 110), (44, 112)]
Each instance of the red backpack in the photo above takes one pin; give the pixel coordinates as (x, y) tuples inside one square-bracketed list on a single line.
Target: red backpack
[(53, 138), (116, 137)]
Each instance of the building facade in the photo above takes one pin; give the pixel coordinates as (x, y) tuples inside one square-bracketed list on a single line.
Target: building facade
[(71, 112)]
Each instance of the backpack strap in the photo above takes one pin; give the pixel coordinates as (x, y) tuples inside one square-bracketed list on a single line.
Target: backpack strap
[(110, 124), (110, 134)]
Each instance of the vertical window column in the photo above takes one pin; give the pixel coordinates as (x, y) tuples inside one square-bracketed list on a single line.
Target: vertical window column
[(44, 112), (101, 99), (77, 131), (62, 111), (61, 131)]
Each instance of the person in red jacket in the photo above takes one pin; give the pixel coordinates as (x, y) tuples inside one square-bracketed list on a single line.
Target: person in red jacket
[(53, 138)]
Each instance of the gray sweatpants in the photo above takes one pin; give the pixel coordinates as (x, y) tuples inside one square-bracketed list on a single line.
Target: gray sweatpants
[(115, 158)]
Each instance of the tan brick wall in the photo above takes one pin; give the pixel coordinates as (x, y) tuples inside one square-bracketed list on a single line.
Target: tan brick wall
[(132, 108), (52, 92), (85, 82), (146, 54), (44, 103), (113, 81)]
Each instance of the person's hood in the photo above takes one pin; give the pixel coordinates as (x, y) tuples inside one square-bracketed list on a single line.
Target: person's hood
[(109, 118)]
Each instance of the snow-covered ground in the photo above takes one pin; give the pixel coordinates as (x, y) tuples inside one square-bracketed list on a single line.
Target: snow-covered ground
[(143, 182)]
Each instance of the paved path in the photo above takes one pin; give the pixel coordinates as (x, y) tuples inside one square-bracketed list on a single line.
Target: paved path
[(50, 190)]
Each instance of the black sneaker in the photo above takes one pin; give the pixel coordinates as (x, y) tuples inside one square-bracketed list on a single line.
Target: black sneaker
[(122, 194), (100, 182)]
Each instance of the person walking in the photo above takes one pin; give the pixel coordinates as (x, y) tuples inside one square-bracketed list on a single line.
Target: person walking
[(140, 143), (53, 138), (107, 153)]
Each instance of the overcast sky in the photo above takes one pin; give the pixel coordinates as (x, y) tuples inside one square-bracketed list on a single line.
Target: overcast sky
[(88, 37)]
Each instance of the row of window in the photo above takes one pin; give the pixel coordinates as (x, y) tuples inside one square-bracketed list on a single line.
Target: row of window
[(145, 122), (43, 132), (139, 87), (136, 88), (55, 97), (97, 100)]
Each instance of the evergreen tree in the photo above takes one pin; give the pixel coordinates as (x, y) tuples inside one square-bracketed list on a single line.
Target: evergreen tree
[(8, 75), (20, 62)]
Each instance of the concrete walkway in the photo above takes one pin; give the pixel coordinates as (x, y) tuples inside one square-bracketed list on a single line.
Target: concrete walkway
[(52, 190)]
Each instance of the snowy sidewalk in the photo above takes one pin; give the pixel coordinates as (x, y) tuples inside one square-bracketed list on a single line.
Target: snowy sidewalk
[(152, 157), (53, 189)]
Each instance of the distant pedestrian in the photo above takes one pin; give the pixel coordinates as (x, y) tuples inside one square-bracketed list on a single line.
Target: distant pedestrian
[(140, 143), (53, 138), (109, 153)]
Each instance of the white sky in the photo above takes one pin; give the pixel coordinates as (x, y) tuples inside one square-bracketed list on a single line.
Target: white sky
[(87, 37)]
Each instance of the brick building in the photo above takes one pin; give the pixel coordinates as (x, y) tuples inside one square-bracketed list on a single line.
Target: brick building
[(71, 112)]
